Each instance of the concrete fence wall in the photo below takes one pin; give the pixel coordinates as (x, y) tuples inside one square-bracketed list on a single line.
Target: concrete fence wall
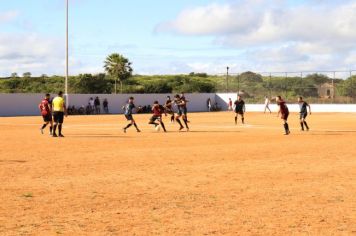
[(27, 104)]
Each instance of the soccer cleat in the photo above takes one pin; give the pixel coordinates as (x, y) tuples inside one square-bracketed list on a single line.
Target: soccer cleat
[(138, 131), (124, 129), (41, 131), (181, 128), (61, 136), (307, 129), (54, 135), (287, 133)]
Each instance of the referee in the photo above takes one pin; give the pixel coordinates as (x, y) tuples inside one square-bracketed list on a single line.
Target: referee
[(59, 110)]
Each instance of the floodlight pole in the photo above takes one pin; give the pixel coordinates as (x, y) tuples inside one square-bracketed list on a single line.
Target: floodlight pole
[(67, 67), (227, 79)]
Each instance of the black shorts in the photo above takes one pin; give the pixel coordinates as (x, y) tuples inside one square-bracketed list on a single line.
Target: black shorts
[(129, 117), (154, 118), (285, 116), (240, 112), (47, 118), (58, 117), (303, 115), (182, 111)]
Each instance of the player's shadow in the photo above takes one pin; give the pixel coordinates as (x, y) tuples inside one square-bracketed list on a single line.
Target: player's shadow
[(206, 131), (12, 161), (95, 136)]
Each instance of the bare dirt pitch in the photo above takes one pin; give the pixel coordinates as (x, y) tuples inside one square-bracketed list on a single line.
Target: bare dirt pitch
[(218, 179)]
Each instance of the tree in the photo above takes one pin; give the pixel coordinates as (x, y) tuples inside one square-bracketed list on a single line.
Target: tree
[(118, 67), (26, 75), (14, 75)]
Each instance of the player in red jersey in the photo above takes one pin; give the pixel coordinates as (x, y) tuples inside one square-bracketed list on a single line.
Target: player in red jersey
[(157, 110), (283, 110), (46, 112)]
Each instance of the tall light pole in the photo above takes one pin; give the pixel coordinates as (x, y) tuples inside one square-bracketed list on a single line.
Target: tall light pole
[(67, 53), (227, 79)]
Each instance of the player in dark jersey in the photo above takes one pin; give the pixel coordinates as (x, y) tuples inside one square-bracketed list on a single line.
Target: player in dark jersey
[(240, 109), (283, 110), (128, 110), (182, 111), (157, 110), (303, 113), (46, 111), (168, 106)]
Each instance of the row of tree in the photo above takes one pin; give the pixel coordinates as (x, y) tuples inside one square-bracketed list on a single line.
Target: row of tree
[(119, 71)]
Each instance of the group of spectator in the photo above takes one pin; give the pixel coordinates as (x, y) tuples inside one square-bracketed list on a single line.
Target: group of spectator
[(211, 106), (94, 106)]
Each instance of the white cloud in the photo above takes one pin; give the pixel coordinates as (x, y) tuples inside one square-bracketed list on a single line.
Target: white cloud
[(274, 35), (8, 16)]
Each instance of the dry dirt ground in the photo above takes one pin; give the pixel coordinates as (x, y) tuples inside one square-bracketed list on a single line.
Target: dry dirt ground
[(218, 179)]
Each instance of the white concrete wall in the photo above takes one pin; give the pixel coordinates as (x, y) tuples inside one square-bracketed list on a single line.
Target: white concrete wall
[(223, 98), (27, 104)]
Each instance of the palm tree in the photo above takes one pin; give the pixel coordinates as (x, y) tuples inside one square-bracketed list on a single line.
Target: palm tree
[(118, 67)]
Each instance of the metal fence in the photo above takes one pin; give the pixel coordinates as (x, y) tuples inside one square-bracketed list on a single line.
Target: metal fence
[(314, 86)]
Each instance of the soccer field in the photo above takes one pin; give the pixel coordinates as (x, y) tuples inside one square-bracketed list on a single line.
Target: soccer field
[(216, 179)]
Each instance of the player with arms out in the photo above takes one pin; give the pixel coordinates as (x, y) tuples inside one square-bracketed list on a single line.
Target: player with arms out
[(128, 110), (157, 110), (168, 106), (46, 111), (182, 111), (303, 113), (240, 109), (59, 111), (283, 110)]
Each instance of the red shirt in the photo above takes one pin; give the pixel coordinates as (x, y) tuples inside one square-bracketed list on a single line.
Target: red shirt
[(44, 107), (283, 106), (157, 111)]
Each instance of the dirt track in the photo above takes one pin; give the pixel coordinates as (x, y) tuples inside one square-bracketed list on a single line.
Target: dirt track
[(217, 179)]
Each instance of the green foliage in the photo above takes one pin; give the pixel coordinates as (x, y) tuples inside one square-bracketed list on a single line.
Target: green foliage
[(118, 67)]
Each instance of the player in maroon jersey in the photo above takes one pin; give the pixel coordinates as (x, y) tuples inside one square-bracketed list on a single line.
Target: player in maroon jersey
[(46, 112), (283, 110), (157, 110)]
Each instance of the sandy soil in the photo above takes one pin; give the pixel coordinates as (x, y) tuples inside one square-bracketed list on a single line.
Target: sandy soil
[(218, 179)]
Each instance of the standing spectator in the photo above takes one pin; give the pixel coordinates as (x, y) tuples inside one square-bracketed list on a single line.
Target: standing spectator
[(106, 106), (208, 104), (97, 105), (229, 105), (91, 106)]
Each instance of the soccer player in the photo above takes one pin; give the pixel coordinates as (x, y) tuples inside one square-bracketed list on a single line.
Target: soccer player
[(46, 111), (229, 105), (283, 110), (240, 109), (157, 110), (168, 106), (267, 102), (128, 110), (303, 113), (182, 111), (59, 111)]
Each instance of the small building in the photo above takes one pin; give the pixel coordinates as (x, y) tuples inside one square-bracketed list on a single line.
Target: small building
[(326, 90)]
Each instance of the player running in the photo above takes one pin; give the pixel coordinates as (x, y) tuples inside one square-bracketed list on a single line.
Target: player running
[(128, 110), (59, 111), (267, 102), (46, 111), (168, 106), (283, 110), (303, 113), (157, 110), (182, 111), (240, 109)]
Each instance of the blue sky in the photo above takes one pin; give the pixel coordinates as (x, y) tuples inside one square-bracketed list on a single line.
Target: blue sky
[(172, 37)]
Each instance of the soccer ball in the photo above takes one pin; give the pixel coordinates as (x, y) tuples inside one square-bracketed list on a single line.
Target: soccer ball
[(158, 128)]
